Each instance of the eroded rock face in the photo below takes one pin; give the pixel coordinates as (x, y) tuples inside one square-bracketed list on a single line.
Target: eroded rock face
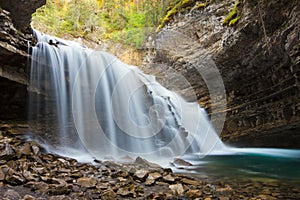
[(258, 59), (15, 17), (21, 11)]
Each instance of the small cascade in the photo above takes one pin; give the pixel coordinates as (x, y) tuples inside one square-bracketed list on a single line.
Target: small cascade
[(97, 104)]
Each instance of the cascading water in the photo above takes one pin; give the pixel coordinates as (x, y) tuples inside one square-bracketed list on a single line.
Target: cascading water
[(113, 108)]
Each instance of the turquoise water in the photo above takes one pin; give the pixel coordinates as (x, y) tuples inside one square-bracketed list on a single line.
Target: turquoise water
[(248, 163)]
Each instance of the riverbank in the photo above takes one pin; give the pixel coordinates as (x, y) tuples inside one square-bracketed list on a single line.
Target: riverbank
[(28, 172)]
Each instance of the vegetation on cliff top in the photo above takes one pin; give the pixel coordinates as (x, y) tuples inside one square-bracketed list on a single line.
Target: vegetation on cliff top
[(125, 21)]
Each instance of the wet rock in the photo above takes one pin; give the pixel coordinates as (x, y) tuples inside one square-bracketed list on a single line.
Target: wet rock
[(29, 197), (102, 186), (25, 149), (87, 182), (192, 194), (177, 189), (108, 195), (169, 178), (225, 190), (76, 175), (158, 196), (224, 198), (35, 149), (190, 181), (139, 191), (11, 195), (141, 174), (39, 186), (7, 152), (132, 170), (15, 179), (58, 182), (121, 173), (127, 191), (181, 162), (145, 163), (152, 177)]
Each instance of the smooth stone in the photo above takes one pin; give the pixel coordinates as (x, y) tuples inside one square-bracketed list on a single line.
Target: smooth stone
[(169, 178), (152, 177), (145, 163), (141, 174), (177, 189), (87, 182), (25, 149), (181, 162), (192, 194), (29, 197), (190, 181)]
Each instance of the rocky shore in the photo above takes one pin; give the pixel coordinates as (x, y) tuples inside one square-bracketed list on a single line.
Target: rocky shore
[(28, 172)]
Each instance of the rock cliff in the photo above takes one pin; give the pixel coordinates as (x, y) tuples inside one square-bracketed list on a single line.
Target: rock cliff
[(15, 19), (257, 55)]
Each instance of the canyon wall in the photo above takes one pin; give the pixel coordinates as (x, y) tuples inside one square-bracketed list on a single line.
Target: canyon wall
[(15, 31), (257, 56)]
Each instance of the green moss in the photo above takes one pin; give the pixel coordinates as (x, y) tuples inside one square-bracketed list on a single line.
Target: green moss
[(234, 21), (180, 6), (232, 18), (203, 5)]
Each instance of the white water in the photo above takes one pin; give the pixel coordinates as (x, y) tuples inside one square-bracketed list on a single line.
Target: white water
[(114, 108)]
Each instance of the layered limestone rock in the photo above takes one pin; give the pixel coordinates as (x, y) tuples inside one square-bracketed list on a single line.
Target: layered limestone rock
[(15, 19), (21, 11), (257, 56)]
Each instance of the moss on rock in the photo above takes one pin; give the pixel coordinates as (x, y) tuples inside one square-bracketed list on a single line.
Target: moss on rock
[(203, 5), (232, 18), (181, 6)]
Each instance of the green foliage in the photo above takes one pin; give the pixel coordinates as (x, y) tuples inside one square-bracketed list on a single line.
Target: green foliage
[(232, 18), (124, 21)]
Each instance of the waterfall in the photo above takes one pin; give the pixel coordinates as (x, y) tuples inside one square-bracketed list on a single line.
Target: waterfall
[(95, 103)]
